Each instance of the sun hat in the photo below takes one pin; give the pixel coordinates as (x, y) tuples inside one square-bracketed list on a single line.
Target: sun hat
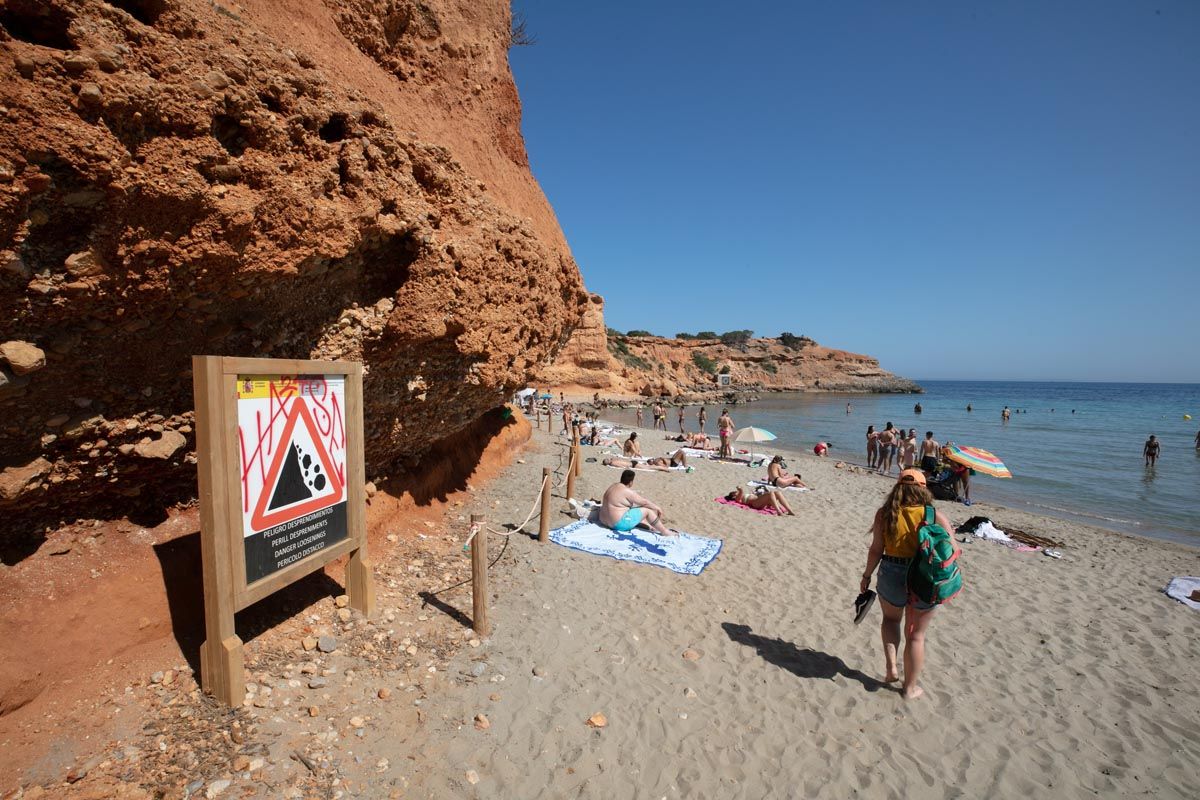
[(912, 476)]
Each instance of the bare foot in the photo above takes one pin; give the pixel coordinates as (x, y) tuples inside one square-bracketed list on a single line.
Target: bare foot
[(891, 677), (913, 692)]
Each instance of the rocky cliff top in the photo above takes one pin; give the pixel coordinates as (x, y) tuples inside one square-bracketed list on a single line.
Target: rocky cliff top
[(597, 358), (309, 178)]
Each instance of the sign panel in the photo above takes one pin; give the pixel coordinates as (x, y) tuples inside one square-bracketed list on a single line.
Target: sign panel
[(292, 451)]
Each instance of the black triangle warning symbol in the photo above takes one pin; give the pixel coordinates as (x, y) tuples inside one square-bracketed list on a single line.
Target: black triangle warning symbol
[(291, 487)]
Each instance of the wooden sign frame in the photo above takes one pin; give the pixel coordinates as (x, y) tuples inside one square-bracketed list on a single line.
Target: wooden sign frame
[(222, 539)]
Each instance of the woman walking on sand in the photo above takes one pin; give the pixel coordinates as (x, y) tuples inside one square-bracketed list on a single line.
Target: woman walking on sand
[(893, 545)]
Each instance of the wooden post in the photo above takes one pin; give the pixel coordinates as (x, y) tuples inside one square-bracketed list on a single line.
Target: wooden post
[(360, 583), (571, 473), (221, 656), (479, 578), (544, 521)]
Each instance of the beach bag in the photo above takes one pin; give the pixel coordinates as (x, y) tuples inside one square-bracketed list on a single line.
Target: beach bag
[(933, 573)]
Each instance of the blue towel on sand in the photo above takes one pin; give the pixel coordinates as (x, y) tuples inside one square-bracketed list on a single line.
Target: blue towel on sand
[(685, 553)]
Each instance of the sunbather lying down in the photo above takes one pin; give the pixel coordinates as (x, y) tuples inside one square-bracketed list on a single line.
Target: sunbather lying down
[(766, 498), (696, 441), (661, 463)]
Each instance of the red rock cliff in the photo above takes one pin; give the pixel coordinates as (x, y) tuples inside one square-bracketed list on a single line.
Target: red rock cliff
[(278, 178)]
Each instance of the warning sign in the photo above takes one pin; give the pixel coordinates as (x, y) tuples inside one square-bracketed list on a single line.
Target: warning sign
[(292, 444)]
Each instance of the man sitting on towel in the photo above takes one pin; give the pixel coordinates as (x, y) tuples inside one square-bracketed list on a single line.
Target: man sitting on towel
[(623, 509)]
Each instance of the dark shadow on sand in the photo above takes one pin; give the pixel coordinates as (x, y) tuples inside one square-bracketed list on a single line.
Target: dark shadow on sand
[(183, 580), (431, 599), (801, 662)]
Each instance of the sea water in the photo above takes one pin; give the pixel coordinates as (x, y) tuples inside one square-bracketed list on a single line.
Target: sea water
[(1075, 449)]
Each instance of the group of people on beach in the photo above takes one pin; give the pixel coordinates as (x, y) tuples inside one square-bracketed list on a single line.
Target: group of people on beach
[(895, 446)]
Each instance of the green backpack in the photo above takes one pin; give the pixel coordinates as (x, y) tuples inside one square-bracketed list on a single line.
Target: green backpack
[(933, 574)]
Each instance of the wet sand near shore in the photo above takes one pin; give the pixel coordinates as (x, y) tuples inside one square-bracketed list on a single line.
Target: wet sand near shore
[(1059, 678)]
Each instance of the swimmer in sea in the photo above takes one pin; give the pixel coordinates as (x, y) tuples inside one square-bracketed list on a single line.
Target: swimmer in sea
[(1150, 450)]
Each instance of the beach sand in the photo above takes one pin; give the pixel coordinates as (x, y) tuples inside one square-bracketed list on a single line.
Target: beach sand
[(1045, 678)]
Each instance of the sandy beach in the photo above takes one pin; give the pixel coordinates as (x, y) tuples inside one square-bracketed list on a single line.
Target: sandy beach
[(1046, 678)]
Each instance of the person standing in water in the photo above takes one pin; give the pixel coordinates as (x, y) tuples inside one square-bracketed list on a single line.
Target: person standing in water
[(1005, 414), (968, 408), (847, 408), (1150, 451), (893, 545), (872, 447), (681, 419), (638, 415), (887, 448), (701, 418)]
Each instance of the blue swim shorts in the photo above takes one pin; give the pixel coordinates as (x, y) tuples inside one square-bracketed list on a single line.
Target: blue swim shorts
[(629, 520)]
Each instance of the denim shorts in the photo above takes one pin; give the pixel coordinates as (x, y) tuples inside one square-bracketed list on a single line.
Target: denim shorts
[(892, 585)]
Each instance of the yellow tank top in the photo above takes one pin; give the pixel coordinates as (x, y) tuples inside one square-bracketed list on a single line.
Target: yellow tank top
[(902, 540)]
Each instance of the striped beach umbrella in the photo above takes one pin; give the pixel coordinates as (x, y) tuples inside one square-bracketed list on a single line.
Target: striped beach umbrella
[(977, 459)]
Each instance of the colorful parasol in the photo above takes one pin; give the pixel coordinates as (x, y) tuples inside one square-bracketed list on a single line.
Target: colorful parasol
[(753, 434), (977, 459)]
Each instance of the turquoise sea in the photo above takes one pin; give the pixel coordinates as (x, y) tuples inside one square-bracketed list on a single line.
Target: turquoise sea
[(1086, 465)]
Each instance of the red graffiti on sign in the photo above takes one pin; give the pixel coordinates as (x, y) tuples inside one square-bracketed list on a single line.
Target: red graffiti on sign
[(257, 442)]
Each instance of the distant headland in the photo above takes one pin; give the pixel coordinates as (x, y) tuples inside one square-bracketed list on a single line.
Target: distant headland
[(596, 358)]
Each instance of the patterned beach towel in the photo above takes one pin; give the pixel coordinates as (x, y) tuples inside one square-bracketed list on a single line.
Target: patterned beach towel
[(685, 553)]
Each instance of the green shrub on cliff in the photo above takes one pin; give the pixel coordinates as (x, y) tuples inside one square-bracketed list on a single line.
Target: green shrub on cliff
[(705, 363), (707, 335)]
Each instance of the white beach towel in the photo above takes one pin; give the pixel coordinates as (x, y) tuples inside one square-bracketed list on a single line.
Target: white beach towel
[(1181, 589), (685, 553), (789, 488)]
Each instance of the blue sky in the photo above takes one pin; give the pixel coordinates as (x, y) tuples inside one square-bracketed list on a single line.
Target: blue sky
[(966, 190)]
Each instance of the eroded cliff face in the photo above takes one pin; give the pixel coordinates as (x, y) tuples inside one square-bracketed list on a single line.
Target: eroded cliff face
[(651, 366), (300, 178)]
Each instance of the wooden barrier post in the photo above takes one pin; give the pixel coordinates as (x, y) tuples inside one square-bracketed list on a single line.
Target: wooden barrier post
[(544, 522), (479, 578), (571, 474)]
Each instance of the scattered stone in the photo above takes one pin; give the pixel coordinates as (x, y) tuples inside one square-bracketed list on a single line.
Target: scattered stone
[(691, 655), (313, 711), (472, 777), (318, 683), (539, 672), (384, 693), (357, 722), (23, 357), (481, 722), (597, 720), (478, 668), (216, 787), (163, 448), (327, 644), (689, 693), (84, 264), (343, 614), (90, 93), (308, 643), (16, 480), (341, 601), (371, 489), (494, 697), (156, 677), (474, 642), (241, 763)]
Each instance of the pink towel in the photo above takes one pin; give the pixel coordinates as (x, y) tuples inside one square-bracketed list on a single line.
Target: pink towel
[(768, 511)]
